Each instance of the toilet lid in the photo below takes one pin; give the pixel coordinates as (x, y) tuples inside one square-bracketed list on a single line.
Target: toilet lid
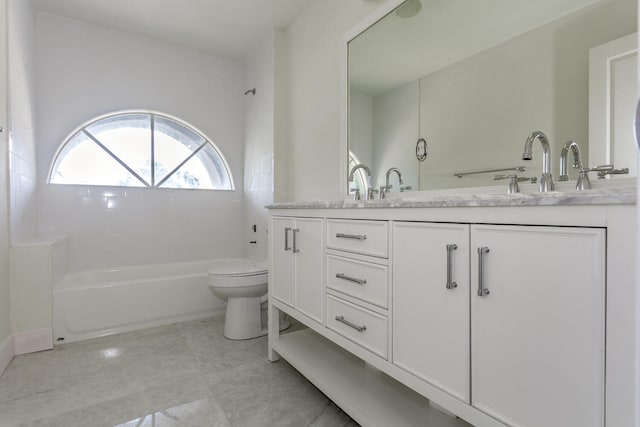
[(238, 267)]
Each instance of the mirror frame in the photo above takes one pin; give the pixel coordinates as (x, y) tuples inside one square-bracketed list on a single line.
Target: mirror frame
[(380, 12)]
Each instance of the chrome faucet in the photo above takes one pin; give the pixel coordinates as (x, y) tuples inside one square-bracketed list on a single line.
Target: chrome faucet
[(386, 187), (352, 173), (546, 180), (577, 160)]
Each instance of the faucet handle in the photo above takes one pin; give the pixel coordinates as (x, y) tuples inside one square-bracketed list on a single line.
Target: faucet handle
[(601, 168), (383, 190), (356, 193), (513, 182), (371, 193), (604, 170), (515, 177), (603, 173)]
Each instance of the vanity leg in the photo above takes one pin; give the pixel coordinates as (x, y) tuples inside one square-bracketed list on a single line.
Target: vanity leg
[(274, 332)]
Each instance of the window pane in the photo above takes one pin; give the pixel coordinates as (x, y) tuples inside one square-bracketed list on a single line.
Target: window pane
[(173, 143), (128, 136), (205, 170), (82, 161), (118, 150)]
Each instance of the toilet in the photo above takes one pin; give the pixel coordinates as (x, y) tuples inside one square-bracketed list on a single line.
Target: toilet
[(242, 283)]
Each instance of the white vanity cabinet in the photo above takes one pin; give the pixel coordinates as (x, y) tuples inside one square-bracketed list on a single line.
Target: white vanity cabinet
[(537, 330), (297, 249), (431, 303), (502, 316)]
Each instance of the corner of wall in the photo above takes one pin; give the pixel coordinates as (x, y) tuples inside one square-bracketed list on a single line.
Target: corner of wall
[(280, 113), (259, 146)]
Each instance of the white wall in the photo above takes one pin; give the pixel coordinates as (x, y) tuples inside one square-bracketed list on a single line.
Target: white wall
[(84, 71), (22, 145), (308, 160), (361, 127), (395, 133), (259, 146)]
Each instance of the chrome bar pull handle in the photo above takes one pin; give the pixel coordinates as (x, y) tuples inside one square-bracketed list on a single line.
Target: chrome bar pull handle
[(351, 279), (286, 239), (295, 241), (341, 319), (482, 291), (450, 283), (352, 236)]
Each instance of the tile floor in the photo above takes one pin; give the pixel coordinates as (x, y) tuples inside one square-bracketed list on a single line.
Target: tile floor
[(184, 374)]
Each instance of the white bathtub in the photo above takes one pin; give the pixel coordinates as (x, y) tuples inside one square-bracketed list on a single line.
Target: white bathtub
[(89, 304)]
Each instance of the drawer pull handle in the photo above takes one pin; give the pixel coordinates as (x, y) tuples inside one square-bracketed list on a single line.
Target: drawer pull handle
[(352, 236), (351, 279), (450, 283), (341, 319), (482, 291)]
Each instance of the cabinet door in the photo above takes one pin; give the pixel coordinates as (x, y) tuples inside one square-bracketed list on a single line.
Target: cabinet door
[(538, 334), (309, 281), (282, 259), (431, 320)]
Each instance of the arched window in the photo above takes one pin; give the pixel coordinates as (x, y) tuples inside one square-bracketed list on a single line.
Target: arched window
[(140, 149)]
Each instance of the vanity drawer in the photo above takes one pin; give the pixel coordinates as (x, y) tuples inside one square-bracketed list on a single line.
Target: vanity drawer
[(362, 326), (363, 280), (363, 237)]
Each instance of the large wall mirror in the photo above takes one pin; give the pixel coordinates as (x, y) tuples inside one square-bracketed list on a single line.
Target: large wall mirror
[(466, 81)]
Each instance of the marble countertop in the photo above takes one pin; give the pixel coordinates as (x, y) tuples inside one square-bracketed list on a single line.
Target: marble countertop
[(625, 196)]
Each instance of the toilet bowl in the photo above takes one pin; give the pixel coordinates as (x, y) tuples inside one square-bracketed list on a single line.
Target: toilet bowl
[(243, 284)]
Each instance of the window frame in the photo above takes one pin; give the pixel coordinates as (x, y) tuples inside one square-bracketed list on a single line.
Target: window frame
[(153, 185)]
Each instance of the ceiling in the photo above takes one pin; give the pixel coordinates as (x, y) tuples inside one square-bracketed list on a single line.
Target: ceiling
[(229, 28), (395, 51)]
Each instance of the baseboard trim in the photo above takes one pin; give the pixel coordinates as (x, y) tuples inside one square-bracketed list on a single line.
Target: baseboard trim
[(6, 353), (121, 329), (32, 341)]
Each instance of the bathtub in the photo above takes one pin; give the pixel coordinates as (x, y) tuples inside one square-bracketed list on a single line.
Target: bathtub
[(94, 303)]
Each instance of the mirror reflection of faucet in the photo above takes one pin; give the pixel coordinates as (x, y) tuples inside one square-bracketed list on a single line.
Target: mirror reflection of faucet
[(370, 191), (583, 182), (546, 180), (577, 159), (384, 189)]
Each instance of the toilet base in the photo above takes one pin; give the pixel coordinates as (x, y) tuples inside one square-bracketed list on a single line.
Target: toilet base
[(243, 319)]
